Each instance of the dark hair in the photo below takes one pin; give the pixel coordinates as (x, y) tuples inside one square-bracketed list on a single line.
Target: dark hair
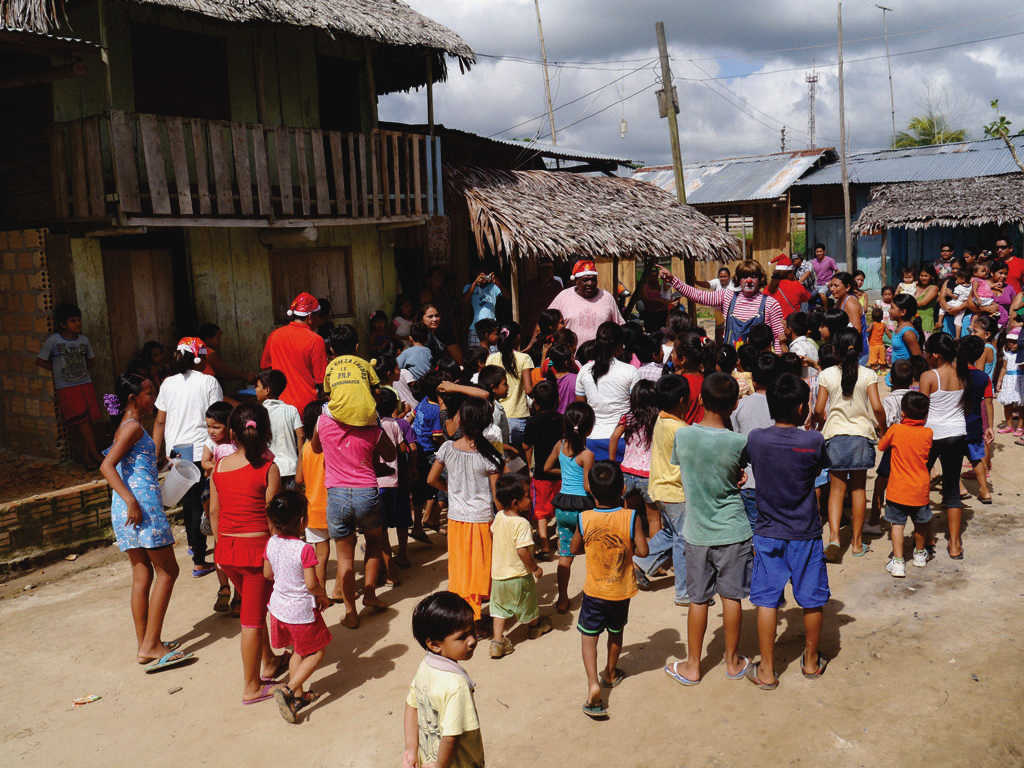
[(766, 369), (859, 272), (490, 377), (646, 347), (485, 326), (474, 417), (915, 405), (726, 358), (848, 348), (585, 351), (439, 615), (946, 245), (678, 322), (311, 415), (183, 362), (749, 268), (877, 314), (908, 306), (146, 353), (566, 337), (64, 312), (344, 340), (385, 365), (380, 314), (747, 358), (473, 362), (448, 367), (815, 319), (790, 362), (819, 245), (387, 402), (797, 322), (545, 396), (577, 424), (846, 279), (509, 489), (559, 359), (695, 352), (788, 394), (719, 393), (220, 412), (250, 425), (835, 320), (273, 380), (606, 483), (827, 355), (943, 345), (760, 337), (987, 322), (643, 412), (287, 513), (632, 332), (207, 331), (671, 390), (428, 384), (419, 333), (606, 346), (888, 288), (919, 365), (969, 348), (508, 344), (995, 265), (128, 385), (901, 374)]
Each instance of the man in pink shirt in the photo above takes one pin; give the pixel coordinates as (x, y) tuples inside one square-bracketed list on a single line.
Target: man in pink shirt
[(824, 267), (585, 306)]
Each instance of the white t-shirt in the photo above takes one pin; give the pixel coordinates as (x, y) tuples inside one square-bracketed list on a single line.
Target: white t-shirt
[(804, 347), (609, 397), (284, 420), (185, 397), (716, 285)]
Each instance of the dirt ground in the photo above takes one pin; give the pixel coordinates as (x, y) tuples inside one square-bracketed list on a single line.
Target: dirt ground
[(22, 476), (926, 671)]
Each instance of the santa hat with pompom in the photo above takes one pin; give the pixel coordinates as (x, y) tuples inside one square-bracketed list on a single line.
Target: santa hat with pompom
[(193, 345), (303, 305)]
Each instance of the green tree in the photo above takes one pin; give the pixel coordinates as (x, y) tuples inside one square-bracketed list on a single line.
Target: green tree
[(929, 128), (1000, 129)]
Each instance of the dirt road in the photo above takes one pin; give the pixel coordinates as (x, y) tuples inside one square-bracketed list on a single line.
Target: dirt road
[(927, 671)]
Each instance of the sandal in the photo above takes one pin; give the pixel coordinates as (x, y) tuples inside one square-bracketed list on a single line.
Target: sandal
[(542, 627), (596, 711), (266, 692), (286, 703), (752, 677), (223, 604), (606, 683), (742, 673), (672, 670), (823, 661)]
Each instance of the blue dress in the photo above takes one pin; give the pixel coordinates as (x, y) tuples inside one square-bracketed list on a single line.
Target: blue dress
[(138, 470)]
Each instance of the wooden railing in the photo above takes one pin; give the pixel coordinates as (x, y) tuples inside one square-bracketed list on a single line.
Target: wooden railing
[(176, 171)]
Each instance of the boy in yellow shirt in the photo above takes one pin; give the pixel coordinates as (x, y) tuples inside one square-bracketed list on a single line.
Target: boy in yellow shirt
[(349, 381)]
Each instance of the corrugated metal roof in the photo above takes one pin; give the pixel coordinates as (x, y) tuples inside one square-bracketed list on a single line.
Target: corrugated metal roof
[(561, 152), (763, 177), (963, 160), (72, 41)]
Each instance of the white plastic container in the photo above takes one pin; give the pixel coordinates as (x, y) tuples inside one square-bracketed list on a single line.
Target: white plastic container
[(182, 476)]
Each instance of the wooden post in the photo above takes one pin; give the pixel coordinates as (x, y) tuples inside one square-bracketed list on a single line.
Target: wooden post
[(430, 95), (514, 286), (884, 276), (371, 86), (261, 95), (547, 80), (851, 261)]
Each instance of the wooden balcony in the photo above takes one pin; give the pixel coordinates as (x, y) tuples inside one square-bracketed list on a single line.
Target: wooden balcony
[(151, 170)]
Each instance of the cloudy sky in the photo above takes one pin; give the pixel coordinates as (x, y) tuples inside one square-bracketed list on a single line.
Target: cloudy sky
[(739, 67)]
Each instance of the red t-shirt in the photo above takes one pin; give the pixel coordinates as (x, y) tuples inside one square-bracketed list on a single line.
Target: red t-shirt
[(1015, 272), (694, 408), (790, 294), (299, 353)]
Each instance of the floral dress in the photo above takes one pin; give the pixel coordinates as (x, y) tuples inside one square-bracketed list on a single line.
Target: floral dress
[(138, 470)]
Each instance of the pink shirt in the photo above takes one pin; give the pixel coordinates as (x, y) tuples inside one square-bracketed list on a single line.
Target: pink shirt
[(348, 454), (745, 307), (583, 316), (393, 429), (637, 458), (291, 602)]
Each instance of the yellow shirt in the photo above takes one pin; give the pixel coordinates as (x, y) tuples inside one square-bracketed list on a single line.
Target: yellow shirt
[(665, 482), (848, 415), (508, 534), (444, 707), (608, 542), (347, 380), (514, 402)]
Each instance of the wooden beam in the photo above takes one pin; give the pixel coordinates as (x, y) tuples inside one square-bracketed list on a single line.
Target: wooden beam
[(78, 69), (243, 171), (202, 169), (303, 168), (59, 171), (260, 157), (220, 158), (323, 197), (179, 162), (79, 184), (202, 221)]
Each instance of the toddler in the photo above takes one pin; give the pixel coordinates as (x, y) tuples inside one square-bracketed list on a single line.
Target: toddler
[(909, 283), (349, 381), (878, 334), (1008, 388), (217, 446)]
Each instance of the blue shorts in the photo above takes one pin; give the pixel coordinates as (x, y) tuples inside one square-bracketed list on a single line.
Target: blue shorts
[(897, 514), (565, 524), (600, 448), (352, 510), (976, 452), (777, 561), (822, 479), (597, 615), (639, 483)]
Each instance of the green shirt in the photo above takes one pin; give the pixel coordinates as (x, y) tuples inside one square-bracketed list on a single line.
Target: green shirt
[(710, 462)]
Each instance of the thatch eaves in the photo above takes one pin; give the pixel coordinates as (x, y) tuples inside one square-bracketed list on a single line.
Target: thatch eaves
[(530, 214), (948, 203)]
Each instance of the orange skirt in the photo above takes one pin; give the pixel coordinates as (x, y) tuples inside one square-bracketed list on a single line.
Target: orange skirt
[(469, 562)]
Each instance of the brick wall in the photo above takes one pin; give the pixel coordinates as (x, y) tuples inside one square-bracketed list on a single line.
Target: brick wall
[(28, 418)]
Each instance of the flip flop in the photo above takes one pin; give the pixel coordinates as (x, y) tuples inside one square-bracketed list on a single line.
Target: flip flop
[(172, 659), (752, 677), (266, 692), (985, 501), (596, 711), (864, 549), (823, 661), (280, 669), (672, 670), (171, 645), (833, 553), (742, 673), (606, 683), (954, 557)]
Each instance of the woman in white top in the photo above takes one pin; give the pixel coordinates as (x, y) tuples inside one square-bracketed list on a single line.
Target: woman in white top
[(604, 384), (944, 385), (850, 409)]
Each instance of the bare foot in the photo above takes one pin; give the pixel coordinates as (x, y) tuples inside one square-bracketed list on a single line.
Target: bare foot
[(351, 620), (562, 606), (594, 695)]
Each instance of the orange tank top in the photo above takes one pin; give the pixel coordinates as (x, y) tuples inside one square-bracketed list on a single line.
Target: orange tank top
[(608, 543)]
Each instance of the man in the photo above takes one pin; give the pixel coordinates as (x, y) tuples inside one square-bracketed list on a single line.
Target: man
[(1014, 264), (482, 296), (298, 352), (802, 272), (824, 267), (584, 306), (944, 264)]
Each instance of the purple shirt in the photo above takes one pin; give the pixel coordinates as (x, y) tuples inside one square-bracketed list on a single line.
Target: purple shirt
[(566, 391), (1003, 301), (824, 270)]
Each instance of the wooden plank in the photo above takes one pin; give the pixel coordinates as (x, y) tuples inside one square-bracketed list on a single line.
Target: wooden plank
[(350, 140), (410, 142), (202, 169), (243, 175), (381, 141), (323, 195), (122, 150), (79, 188), (364, 171), (284, 170), (156, 176), (303, 167), (259, 151), (58, 165), (179, 162), (338, 168), (375, 145), (220, 159), (397, 168), (416, 181), (94, 165), (429, 142)]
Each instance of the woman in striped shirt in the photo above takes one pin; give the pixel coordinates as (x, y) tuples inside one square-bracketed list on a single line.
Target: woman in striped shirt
[(742, 310)]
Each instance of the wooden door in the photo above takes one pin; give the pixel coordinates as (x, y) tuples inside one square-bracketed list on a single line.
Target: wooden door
[(140, 301)]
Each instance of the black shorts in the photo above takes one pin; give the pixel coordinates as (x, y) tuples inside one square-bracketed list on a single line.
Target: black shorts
[(597, 615)]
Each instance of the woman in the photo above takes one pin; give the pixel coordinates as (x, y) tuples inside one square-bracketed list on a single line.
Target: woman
[(944, 385), (241, 486), (844, 293), (850, 409), (1000, 308), (518, 366), (438, 341), (743, 309), (605, 384), (139, 523), (927, 298)]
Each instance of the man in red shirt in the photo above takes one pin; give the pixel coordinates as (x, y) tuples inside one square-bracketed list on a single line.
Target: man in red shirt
[(790, 293), (298, 352), (1014, 264)]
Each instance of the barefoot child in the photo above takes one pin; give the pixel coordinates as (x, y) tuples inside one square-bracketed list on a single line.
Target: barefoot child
[(787, 534), (297, 599), (441, 724), (609, 536), (543, 431), (216, 447), (718, 537), (310, 479), (513, 569)]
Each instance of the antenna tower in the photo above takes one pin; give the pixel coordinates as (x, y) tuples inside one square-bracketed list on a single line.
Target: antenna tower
[(812, 86)]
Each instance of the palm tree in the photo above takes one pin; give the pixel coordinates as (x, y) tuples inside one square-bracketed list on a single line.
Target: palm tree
[(930, 128)]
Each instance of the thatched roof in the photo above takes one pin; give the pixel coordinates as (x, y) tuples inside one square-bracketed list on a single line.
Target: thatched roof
[(948, 203), (528, 214)]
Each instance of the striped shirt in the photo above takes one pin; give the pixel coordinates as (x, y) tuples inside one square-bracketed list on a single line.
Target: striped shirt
[(744, 309)]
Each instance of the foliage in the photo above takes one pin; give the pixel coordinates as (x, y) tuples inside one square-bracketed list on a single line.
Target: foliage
[(1000, 129), (930, 128)]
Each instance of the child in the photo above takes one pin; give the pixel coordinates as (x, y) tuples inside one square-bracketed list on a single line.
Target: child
[(900, 377), (743, 374), (380, 336), (638, 428), (286, 432), (310, 476), (885, 304), (693, 354), (648, 352), (390, 378), (417, 358), (217, 446), (718, 537), (787, 535), (427, 428), (753, 413), (953, 300), (1008, 389), (513, 569), (441, 723), (571, 460), (68, 354), (907, 494), (984, 326), (350, 381), (800, 343), (609, 536), (487, 332), (296, 602), (909, 283), (473, 467), (394, 489), (878, 334), (543, 431), (402, 321), (978, 415), (517, 366), (562, 372)]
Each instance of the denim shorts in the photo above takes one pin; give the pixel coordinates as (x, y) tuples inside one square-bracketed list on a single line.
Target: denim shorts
[(777, 561), (849, 453), (352, 510), (639, 483), (897, 514)]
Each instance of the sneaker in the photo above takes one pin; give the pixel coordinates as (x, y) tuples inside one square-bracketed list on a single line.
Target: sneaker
[(897, 568), (500, 649), (921, 557)]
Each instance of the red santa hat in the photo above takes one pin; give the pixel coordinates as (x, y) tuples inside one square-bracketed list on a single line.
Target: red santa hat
[(303, 305), (194, 346), (584, 268), (782, 259)]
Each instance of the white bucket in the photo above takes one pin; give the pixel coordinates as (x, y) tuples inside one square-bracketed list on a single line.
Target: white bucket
[(182, 476)]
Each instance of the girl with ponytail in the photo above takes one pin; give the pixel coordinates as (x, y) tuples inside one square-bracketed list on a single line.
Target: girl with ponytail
[(562, 373), (605, 383), (905, 344), (851, 411), (692, 358), (517, 366)]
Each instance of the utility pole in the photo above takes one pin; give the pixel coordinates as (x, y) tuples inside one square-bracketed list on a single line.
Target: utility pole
[(812, 85), (547, 80), (782, 139), (851, 262), (888, 59)]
